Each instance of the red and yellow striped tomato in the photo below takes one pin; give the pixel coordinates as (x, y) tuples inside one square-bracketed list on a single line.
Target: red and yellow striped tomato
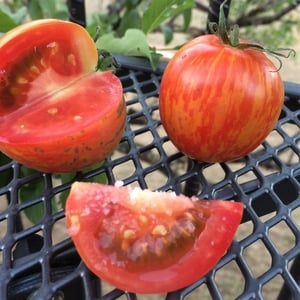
[(57, 114), (218, 102)]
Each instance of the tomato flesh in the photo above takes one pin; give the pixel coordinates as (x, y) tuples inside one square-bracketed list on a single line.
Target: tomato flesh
[(57, 114), (148, 242), (218, 103)]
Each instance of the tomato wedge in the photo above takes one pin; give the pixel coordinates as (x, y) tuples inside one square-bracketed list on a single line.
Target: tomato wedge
[(57, 114), (148, 242)]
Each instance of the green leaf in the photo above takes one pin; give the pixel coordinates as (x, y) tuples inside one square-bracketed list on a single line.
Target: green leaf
[(167, 32), (154, 59), (131, 19), (130, 4), (39, 9), (65, 178), (29, 191), (62, 15), (133, 43), (35, 10), (6, 176), (19, 16), (69, 178), (6, 22), (161, 10), (187, 18)]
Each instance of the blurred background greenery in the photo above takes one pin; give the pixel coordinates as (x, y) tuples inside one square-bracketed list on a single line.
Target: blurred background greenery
[(273, 23), (157, 26)]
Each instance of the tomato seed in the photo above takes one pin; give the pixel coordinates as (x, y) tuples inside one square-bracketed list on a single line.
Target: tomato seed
[(22, 80), (145, 248), (186, 228), (129, 234), (52, 111), (160, 246), (35, 69), (77, 118), (43, 63), (71, 59), (14, 91), (190, 216), (75, 225), (143, 219), (160, 230)]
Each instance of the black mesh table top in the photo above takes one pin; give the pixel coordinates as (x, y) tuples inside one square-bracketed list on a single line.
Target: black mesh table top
[(39, 261)]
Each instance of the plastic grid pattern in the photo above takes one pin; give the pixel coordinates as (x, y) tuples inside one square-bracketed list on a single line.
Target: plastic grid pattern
[(38, 260)]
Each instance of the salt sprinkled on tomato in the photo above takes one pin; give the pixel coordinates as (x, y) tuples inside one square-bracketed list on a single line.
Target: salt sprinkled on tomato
[(148, 242), (119, 183)]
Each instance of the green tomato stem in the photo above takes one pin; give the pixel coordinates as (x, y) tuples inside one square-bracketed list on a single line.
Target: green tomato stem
[(231, 37)]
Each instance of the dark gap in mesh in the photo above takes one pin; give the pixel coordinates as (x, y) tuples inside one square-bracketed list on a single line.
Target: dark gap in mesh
[(294, 269), (31, 244), (289, 289), (142, 76), (73, 289), (148, 87), (283, 114), (286, 191), (122, 74), (264, 204), (127, 82), (67, 256), (22, 285), (292, 104), (6, 171), (297, 177)]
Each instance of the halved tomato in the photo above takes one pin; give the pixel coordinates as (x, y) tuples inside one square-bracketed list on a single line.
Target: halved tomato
[(57, 114), (148, 242)]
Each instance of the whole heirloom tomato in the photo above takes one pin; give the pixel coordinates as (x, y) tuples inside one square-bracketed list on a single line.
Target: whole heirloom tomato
[(148, 242), (219, 102), (57, 114)]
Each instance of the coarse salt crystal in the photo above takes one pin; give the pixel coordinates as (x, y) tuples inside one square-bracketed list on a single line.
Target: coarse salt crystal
[(85, 212), (119, 183), (73, 230), (169, 211), (173, 195), (106, 211)]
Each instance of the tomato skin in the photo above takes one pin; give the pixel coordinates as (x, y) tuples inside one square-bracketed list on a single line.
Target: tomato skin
[(90, 206), (57, 114), (218, 103)]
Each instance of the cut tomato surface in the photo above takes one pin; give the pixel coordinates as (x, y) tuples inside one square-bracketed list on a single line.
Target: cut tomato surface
[(148, 242), (57, 114)]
